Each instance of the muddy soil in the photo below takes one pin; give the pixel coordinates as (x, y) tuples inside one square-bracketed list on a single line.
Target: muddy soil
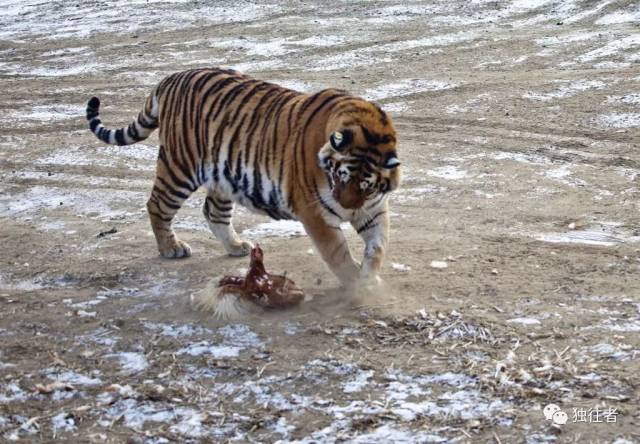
[(512, 275)]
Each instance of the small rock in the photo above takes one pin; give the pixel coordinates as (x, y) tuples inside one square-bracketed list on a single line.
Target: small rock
[(440, 265), (86, 314), (402, 268)]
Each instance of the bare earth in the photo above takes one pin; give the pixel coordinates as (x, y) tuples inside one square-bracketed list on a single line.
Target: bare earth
[(519, 126)]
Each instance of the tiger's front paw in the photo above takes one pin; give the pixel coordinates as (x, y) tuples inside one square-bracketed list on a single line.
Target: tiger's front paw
[(175, 250), (239, 248), (370, 280)]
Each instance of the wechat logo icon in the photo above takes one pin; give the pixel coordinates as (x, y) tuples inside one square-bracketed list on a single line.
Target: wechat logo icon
[(554, 414)]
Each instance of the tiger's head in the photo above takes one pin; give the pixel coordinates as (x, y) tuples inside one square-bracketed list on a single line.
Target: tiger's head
[(360, 159)]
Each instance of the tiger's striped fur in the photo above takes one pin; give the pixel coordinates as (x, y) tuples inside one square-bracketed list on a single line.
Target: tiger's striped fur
[(320, 158)]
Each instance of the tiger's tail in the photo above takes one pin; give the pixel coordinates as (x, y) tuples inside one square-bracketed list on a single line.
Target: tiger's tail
[(138, 130)]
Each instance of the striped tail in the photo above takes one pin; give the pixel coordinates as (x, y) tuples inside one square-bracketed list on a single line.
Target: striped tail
[(137, 130)]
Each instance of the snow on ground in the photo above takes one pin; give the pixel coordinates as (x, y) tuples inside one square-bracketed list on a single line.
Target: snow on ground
[(406, 87), (619, 120), (48, 21), (281, 228), (517, 122)]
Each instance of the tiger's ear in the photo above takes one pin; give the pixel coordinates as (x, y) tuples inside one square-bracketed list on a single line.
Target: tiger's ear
[(391, 163), (340, 139)]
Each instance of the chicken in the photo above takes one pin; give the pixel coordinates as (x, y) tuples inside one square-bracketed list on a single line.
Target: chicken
[(260, 287)]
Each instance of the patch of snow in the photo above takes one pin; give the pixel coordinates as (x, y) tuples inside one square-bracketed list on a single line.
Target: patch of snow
[(188, 223), (85, 304), (567, 38), (190, 424), (383, 52), (21, 285), (630, 99), (331, 365), (101, 336), (235, 338), (130, 362), (539, 438), (612, 352), (396, 107), (296, 85), (579, 237), (403, 386), (457, 380), (441, 265), (619, 120), (136, 156), (524, 321), (206, 348), (390, 434), (63, 422), (277, 46), (349, 59), (240, 335), (484, 194), (282, 427), (566, 90), (568, 10), (278, 228), (135, 414), (71, 377), (86, 314), (436, 40), (401, 11), (52, 226), (449, 172), (611, 49), (12, 392), (177, 331), (629, 326), (48, 113), (527, 5), (417, 193), (291, 329), (402, 268), (42, 20), (44, 71), (455, 108), (65, 51), (463, 404), (611, 65), (620, 17), (359, 382), (563, 174), (96, 203), (529, 158), (406, 87), (264, 392)]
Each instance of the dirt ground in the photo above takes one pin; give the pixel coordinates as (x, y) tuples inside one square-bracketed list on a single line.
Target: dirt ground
[(519, 128)]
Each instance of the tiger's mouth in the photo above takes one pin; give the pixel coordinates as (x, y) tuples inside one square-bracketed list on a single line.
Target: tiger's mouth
[(348, 193)]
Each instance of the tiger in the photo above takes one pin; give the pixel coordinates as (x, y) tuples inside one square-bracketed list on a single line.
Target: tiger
[(320, 158)]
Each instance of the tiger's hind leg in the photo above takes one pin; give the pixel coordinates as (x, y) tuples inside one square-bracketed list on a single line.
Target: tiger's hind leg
[(168, 194), (217, 210)]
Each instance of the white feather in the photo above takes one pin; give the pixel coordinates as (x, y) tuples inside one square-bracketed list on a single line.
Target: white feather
[(229, 306), (225, 306)]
